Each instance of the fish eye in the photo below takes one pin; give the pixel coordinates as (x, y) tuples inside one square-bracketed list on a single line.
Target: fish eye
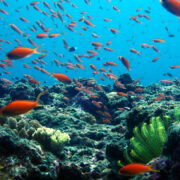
[(121, 171)]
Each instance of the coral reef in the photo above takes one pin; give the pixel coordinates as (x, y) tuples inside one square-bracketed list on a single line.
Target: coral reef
[(22, 159), (99, 123)]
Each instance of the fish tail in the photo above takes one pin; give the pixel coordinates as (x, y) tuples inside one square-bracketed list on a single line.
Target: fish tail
[(39, 105), (153, 170), (52, 74), (36, 49), (40, 94)]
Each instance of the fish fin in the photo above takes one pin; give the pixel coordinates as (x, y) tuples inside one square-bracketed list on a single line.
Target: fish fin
[(29, 111), (36, 49), (39, 105), (29, 55), (154, 170), (40, 94), (151, 165)]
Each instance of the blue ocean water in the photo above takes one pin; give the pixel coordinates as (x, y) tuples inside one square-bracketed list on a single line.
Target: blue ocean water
[(132, 35)]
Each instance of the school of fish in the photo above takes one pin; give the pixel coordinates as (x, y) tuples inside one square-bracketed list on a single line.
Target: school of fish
[(56, 13)]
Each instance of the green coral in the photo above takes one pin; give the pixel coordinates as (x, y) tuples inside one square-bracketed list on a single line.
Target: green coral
[(51, 139), (148, 141)]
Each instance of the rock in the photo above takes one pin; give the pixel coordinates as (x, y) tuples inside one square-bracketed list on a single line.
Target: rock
[(172, 145)]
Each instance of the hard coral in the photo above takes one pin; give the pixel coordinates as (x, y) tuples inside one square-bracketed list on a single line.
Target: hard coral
[(51, 139)]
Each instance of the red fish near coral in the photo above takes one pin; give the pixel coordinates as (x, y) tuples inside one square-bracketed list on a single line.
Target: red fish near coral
[(21, 52), (62, 78), (172, 6), (134, 169), (20, 107)]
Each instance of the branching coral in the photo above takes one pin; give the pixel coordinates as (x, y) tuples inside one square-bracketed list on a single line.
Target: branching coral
[(148, 141)]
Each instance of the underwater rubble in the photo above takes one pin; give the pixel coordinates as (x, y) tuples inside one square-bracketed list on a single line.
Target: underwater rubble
[(88, 133)]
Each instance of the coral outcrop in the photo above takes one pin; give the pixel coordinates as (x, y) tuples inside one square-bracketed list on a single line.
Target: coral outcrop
[(51, 139)]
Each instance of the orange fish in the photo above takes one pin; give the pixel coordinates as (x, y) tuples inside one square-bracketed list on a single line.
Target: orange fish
[(114, 31), (93, 67), (174, 67), (3, 11), (125, 62), (158, 40), (72, 25), (31, 80), (88, 23), (80, 66), (121, 109), (44, 71), (96, 44), (166, 81), (108, 49), (81, 19), (144, 45), (97, 104), (6, 81), (102, 70), (15, 28), (135, 51), (53, 35), (147, 17), (102, 78), (73, 5), (23, 19), (21, 52), (139, 89), (121, 94), (41, 35), (115, 8), (155, 48), (108, 43), (158, 98), (109, 63), (172, 6), (66, 98), (20, 107), (155, 59), (95, 35), (62, 78), (106, 121), (135, 19), (118, 83), (107, 19), (6, 72), (34, 3), (134, 169), (31, 42)]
